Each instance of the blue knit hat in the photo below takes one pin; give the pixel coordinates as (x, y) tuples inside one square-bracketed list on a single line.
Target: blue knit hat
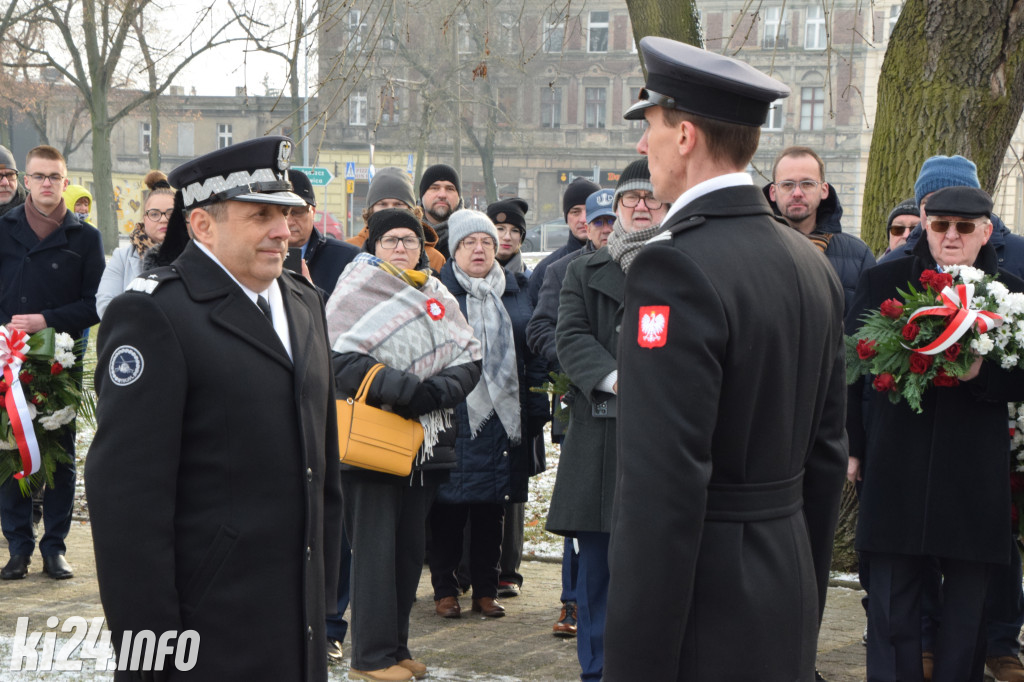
[(945, 171)]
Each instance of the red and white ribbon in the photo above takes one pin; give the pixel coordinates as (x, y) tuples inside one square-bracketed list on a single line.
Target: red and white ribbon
[(956, 303), (13, 346)]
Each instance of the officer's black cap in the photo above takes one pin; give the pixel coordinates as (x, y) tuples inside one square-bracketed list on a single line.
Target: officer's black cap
[(680, 76), (960, 202), (302, 186), (251, 171)]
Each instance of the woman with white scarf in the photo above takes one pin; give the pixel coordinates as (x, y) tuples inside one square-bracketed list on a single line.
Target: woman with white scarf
[(499, 425), (387, 308)]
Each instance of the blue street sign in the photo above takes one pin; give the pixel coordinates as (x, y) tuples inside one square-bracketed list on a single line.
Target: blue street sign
[(350, 170)]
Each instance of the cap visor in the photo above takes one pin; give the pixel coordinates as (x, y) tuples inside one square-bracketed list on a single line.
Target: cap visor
[(278, 198), (600, 214), (636, 112)]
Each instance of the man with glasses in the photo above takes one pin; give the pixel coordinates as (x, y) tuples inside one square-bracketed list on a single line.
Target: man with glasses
[(325, 258), (902, 221), (12, 194), (50, 268), (798, 192)]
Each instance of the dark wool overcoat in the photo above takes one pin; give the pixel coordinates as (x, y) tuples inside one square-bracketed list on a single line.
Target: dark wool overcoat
[(935, 483), (587, 334), (731, 448), (213, 482)]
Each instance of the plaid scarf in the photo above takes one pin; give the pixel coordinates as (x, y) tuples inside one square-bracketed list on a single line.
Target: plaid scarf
[(623, 246), (419, 330)]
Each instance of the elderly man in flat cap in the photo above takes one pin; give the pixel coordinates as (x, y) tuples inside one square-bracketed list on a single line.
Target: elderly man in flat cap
[(217, 515), (731, 388)]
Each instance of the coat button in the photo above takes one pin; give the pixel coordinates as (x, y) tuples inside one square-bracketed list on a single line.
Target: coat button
[(505, 453), (309, 633), (24, 299), (506, 498), (309, 474), (309, 553), (54, 266), (618, 327)]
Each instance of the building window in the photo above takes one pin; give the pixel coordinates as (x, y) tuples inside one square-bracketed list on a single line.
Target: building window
[(389, 110), (508, 106), (774, 29), (597, 32), (595, 99), (224, 135), (775, 117), (894, 15), (357, 108), (554, 33), (812, 108), (388, 39), (634, 97), (814, 29), (466, 41), (145, 136), (551, 108), (186, 139), (356, 29), (508, 31)]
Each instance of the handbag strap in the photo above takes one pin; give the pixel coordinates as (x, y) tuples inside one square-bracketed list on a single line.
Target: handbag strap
[(364, 387)]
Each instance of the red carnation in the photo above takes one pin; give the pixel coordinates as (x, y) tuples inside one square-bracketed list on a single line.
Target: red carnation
[(920, 363), (884, 382), (943, 379), (953, 352), (927, 277), (866, 349), (891, 308), (35, 399), (942, 280), (26, 378), (56, 368), (910, 331)]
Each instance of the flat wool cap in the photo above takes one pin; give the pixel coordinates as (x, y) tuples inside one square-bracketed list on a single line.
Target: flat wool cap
[(960, 202), (253, 171), (687, 78)]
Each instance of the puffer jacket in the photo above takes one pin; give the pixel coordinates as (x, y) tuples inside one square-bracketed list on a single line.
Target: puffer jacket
[(489, 468)]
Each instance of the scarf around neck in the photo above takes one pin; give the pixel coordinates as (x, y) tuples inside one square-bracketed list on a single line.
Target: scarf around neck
[(139, 240), (623, 246), (44, 225), (514, 264), (498, 389)]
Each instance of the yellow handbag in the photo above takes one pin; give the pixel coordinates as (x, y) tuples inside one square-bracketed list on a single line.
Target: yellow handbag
[(370, 438)]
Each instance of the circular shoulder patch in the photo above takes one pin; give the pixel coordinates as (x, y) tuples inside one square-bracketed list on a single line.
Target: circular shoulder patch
[(126, 365)]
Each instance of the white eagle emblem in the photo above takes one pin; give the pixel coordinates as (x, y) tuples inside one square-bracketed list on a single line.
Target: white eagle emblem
[(653, 332), (652, 325)]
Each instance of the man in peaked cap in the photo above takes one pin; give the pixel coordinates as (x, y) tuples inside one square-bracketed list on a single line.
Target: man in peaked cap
[(731, 389), (220, 513)]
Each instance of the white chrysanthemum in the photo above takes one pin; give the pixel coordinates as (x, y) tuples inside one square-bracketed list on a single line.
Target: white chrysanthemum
[(1009, 361), (979, 302), (55, 420), (996, 289), (1002, 337), (8, 444), (66, 359), (982, 345), (63, 342), (968, 274)]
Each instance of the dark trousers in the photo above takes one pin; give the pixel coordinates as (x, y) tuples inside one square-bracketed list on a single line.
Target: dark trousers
[(1004, 606), (894, 619), (570, 571), (447, 525), (592, 603), (337, 626), (58, 501), (512, 543), (384, 522)]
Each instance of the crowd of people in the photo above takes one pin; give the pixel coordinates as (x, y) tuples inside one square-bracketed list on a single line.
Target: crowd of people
[(705, 437)]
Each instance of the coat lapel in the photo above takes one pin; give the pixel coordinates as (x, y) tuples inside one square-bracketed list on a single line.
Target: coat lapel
[(608, 277)]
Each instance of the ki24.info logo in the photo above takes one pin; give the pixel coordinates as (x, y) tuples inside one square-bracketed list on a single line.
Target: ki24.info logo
[(87, 640)]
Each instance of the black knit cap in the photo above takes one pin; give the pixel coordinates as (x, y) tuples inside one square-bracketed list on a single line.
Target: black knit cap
[(440, 171), (961, 202), (905, 207), (510, 211), (302, 186), (636, 176), (388, 219), (576, 194)]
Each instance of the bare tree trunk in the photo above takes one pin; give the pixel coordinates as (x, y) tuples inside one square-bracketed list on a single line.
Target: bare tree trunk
[(675, 20), (844, 557), (952, 83)]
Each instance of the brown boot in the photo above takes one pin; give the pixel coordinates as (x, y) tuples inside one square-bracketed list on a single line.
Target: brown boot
[(488, 607), (448, 607), (1004, 669), (418, 670), (395, 673), (565, 626)]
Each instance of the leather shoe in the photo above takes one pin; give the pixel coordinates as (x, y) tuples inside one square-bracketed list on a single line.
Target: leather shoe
[(56, 567), (508, 589), (418, 670), (392, 674), (16, 568), (488, 607), (448, 607), (565, 626), (334, 650)]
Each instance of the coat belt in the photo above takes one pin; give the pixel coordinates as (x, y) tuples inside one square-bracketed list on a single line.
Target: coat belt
[(755, 501)]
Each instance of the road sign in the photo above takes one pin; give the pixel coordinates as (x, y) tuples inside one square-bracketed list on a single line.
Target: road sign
[(350, 170), (318, 176), (350, 186), (408, 166)]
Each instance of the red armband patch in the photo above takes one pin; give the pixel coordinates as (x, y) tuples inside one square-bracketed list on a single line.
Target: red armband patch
[(653, 328)]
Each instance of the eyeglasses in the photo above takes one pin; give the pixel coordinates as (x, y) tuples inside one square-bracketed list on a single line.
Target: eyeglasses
[(9, 176), (410, 242), (472, 242), (787, 186), (40, 178), (898, 230), (631, 200), (508, 231), (156, 215), (962, 226)]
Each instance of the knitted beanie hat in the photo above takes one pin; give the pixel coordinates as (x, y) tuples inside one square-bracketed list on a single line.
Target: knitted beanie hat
[(905, 207), (390, 183), (510, 211), (945, 171), (637, 176), (463, 223), (440, 171), (388, 219), (7, 158), (576, 194)]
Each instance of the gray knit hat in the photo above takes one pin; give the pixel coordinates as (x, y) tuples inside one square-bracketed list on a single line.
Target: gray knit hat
[(7, 158), (463, 223), (636, 176), (905, 207), (390, 183)]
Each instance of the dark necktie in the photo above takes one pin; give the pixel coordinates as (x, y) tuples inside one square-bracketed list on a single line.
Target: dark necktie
[(264, 305)]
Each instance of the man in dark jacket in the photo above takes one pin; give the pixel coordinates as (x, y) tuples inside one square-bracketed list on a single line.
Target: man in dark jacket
[(50, 267), (798, 192), (12, 194), (325, 258), (440, 196), (574, 207), (220, 512), (731, 446)]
